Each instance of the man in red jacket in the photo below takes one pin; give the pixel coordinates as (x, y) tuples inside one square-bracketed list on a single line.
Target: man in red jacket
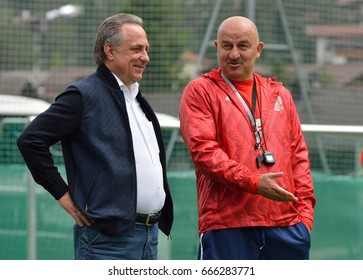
[(254, 184)]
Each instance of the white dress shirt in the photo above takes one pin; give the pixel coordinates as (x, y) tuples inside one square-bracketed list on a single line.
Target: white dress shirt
[(150, 190)]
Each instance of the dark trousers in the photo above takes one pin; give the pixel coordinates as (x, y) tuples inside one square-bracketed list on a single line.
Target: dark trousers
[(256, 243)]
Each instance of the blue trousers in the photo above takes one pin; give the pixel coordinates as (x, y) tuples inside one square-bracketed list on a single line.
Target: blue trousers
[(90, 244), (256, 243)]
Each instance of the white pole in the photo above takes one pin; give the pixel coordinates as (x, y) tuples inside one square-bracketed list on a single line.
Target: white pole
[(32, 220), (332, 129), (251, 8)]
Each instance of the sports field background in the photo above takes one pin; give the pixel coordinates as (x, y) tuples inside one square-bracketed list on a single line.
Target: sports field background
[(337, 234), (315, 47)]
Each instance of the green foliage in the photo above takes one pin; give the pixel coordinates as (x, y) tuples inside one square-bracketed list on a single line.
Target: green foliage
[(325, 78), (173, 27), (279, 71), (42, 46)]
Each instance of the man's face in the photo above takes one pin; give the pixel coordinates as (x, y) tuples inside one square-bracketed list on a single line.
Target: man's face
[(128, 61), (237, 50)]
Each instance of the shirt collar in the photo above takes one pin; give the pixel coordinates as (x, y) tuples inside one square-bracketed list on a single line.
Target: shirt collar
[(129, 93)]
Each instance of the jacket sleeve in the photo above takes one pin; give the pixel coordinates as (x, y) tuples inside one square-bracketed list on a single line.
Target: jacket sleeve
[(303, 182), (198, 129), (56, 123)]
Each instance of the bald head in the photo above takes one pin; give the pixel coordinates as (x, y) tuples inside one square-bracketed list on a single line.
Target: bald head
[(238, 24), (238, 48)]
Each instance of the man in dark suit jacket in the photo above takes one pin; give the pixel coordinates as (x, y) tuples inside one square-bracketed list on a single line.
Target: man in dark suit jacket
[(117, 190)]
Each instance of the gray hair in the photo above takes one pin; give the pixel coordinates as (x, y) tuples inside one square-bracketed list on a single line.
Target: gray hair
[(109, 33)]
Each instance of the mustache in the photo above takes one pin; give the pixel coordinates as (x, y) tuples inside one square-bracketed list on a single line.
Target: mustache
[(229, 61)]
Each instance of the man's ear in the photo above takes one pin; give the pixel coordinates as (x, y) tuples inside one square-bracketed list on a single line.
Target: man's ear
[(109, 51), (259, 49)]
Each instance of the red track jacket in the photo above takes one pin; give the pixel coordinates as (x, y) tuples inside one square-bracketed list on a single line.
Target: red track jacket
[(218, 134)]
